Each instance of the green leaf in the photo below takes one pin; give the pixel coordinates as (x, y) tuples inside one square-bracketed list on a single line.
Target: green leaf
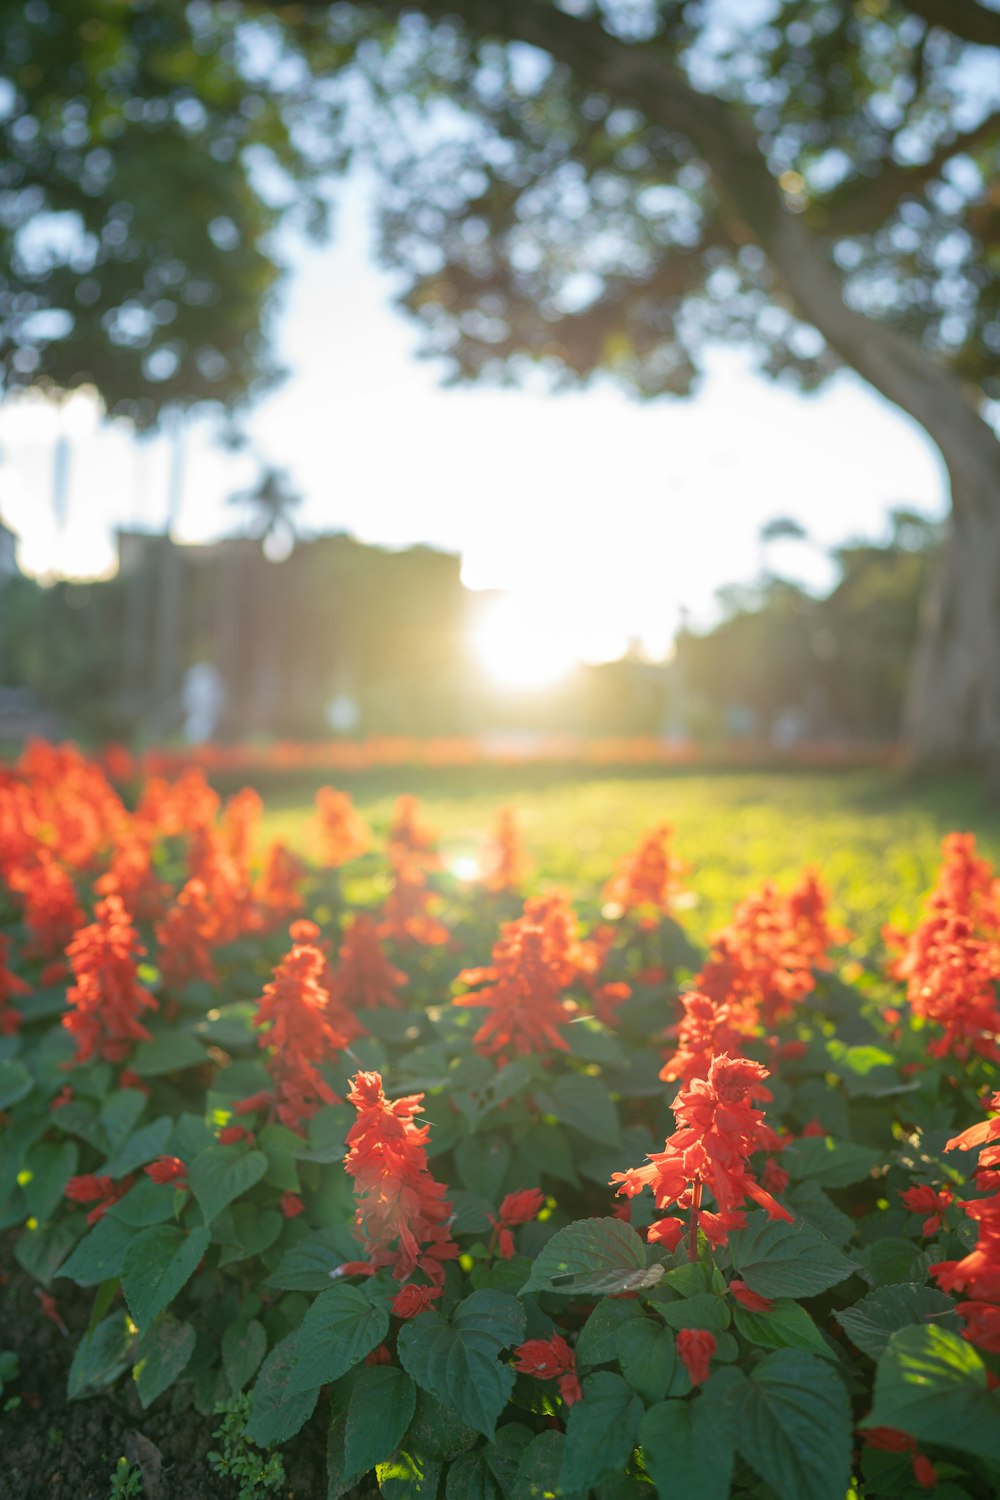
[(437, 1430), (119, 1113), (546, 1149), (471, 1478), (932, 1384), (597, 1257), (147, 1203), (158, 1262), (277, 1413), (51, 1167), (168, 1052), (408, 1477), (808, 1201), (42, 1251), (243, 1347), (598, 1340), (458, 1361), (100, 1357), (828, 1163), (310, 1265), (785, 1326), (222, 1173), (870, 1323), (482, 1162), (646, 1352), (703, 1310), (479, 1100), (539, 1470), (144, 1146), (100, 1255), (601, 1431), (893, 1260), (582, 1102), (378, 1414), (15, 1082), (340, 1328), (778, 1259), (162, 1355), (686, 1450), (795, 1427)]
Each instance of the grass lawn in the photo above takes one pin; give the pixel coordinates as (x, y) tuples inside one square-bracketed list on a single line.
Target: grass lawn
[(874, 835)]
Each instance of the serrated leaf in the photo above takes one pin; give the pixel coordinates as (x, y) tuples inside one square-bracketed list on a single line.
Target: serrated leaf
[(598, 1340), (808, 1201), (686, 1450), (147, 1203), (243, 1347), (458, 1361), (158, 1262), (601, 1431), (276, 1413), (100, 1357), (42, 1251), (932, 1384), (828, 1163), (870, 1323), (220, 1174), (482, 1162), (785, 1326), (471, 1478), (437, 1431), (409, 1477), (597, 1257), (149, 1142), (539, 1469), (778, 1259), (340, 1328), (582, 1103), (100, 1255), (646, 1352), (310, 1265), (51, 1167), (15, 1082), (119, 1113), (163, 1354), (794, 1426), (379, 1412), (168, 1052), (702, 1310)]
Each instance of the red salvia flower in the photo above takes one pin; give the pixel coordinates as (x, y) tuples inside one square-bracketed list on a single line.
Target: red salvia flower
[(412, 1300), (695, 1346), (296, 1030), (168, 1169), (402, 1215), (718, 1130), (925, 1200), (102, 1191), (291, 1205), (706, 1029), (550, 1359), (364, 979), (507, 864), (185, 938), (107, 998), (231, 1135), (11, 988), (751, 1300), (263, 1099), (132, 877), (524, 1000), (341, 831), (410, 837), (924, 1471), (648, 880), (406, 916), (52, 912), (240, 823), (517, 1208), (278, 891)]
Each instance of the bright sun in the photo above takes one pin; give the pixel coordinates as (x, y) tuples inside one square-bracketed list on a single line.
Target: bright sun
[(520, 645)]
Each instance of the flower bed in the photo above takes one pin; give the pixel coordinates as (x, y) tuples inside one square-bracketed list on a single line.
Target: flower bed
[(490, 1193)]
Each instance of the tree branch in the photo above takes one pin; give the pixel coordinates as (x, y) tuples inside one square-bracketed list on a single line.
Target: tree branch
[(861, 206), (965, 19)]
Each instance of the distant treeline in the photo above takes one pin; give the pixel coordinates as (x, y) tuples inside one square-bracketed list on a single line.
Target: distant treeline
[(385, 636)]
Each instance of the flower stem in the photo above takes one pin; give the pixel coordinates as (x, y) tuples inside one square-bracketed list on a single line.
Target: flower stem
[(693, 1225)]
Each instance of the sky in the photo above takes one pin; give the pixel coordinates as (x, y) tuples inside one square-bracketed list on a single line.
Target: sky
[(605, 519)]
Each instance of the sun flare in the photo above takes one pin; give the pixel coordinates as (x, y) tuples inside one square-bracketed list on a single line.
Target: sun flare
[(519, 645)]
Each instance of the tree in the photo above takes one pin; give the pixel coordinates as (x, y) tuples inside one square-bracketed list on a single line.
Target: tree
[(272, 501), (148, 151), (624, 181)]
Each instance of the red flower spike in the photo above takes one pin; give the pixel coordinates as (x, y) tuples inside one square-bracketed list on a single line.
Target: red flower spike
[(648, 880), (297, 1033), (751, 1300), (232, 1134), (102, 1191), (291, 1205), (364, 978), (550, 1359), (107, 998), (695, 1346), (168, 1169), (402, 1215), (411, 1300), (340, 830)]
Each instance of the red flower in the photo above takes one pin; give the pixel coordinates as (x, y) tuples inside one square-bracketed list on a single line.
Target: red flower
[(411, 1300), (291, 1205), (751, 1300), (982, 1325), (406, 915), (64, 1096), (888, 1439), (402, 1215), (341, 831), (696, 1347), (648, 879), (167, 1169), (277, 891), (107, 998), (506, 863), (718, 1130), (707, 1029), (240, 822), (234, 1133), (253, 1102), (524, 1000), (186, 936), (550, 1359), (517, 1208), (924, 1200), (102, 1191), (410, 837), (295, 1029), (924, 1471), (364, 978)]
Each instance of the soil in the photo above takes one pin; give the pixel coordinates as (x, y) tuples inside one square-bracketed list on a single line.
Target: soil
[(55, 1449)]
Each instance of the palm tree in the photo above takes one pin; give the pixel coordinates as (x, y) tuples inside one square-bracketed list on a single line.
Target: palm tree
[(271, 501)]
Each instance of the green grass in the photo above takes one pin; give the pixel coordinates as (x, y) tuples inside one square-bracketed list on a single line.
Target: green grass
[(874, 836)]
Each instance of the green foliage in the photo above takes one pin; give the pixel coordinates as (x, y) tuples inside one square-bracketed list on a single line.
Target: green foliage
[(126, 1481), (257, 1474)]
